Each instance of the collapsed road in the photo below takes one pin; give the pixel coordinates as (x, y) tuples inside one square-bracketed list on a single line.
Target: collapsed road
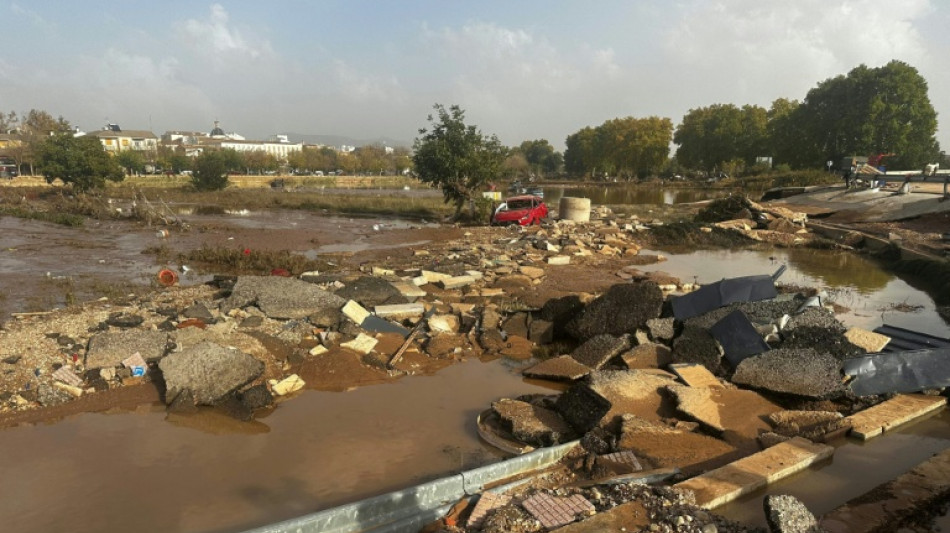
[(212, 345)]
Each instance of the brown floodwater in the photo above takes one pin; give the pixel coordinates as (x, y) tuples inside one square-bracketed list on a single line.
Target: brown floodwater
[(149, 471)]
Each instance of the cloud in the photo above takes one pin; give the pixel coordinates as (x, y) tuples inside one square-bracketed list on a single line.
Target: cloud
[(218, 40), (360, 86), (746, 50)]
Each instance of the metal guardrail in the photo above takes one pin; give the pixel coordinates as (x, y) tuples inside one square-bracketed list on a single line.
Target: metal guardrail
[(411, 508)]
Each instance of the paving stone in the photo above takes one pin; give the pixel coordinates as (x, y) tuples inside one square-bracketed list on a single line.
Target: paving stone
[(67, 376), (399, 310), (487, 502), (622, 462), (456, 282), (556, 511), (871, 342), (363, 344), (600, 349), (695, 375), (409, 290), (532, 272), (648, 355), (560, 368), (559, 260)]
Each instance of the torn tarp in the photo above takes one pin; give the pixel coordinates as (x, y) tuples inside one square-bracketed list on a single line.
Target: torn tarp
[(727, 291), (909, 371), (738, 337)]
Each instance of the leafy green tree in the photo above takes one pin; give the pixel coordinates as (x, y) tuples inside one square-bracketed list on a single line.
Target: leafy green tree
[(541, 156), (710, 136), (259, 162), (580, 156), (234, 161), (456, 157), (33, 128), (131, 160), (79, 161), (211, 171), (870, 111)]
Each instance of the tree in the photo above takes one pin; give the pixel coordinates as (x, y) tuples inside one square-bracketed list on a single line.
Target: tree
[(211, 171), (580, 156), (710, 136), (626, 146), (541, 156), (33, 128), (870, 111), (131, 160), (259, 161), (234, 161), (79, 161), (456, 157)]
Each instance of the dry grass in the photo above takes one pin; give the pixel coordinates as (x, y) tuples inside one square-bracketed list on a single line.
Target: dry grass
[(245, 261)]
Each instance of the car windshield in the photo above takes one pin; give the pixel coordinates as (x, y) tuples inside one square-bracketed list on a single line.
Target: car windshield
[(514, 205)]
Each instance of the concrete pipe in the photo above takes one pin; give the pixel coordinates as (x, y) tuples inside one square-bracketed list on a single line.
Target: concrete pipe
[(576, 209)]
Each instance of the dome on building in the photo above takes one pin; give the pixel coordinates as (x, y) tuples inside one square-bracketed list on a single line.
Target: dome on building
[(217, 131)]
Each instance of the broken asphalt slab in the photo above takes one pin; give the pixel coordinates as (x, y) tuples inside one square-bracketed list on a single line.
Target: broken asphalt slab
[(802, 372), (109, 349), (623, 309), (208, 371), (279, 297)]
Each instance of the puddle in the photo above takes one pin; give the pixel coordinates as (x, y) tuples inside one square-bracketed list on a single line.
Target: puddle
[(856, 468), (853, 281), (144, 472)]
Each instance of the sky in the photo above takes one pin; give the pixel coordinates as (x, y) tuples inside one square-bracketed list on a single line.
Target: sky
[(520, 70)]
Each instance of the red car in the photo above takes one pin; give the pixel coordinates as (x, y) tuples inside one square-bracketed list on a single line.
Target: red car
[(523, 210)]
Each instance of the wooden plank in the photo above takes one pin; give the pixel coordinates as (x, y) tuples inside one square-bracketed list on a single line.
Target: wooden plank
[(695, 375), (898, 410), (754, 472)]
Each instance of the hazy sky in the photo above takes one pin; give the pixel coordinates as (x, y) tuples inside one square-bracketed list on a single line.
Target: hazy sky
[(521, 70)]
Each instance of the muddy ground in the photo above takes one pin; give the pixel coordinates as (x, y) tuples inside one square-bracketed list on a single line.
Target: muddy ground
[(92, 265)]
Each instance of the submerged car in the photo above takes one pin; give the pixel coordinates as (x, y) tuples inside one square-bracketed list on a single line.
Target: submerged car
[(523, 210)]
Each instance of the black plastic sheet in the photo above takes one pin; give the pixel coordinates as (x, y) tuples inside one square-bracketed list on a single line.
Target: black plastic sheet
[(725, 292), (909, 371), (738, 337)]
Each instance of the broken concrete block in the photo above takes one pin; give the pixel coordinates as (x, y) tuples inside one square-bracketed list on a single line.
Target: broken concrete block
[(872, 342), (516, 324), (559, 260), (408, 289), (318, 350), (291, 383), (600, 349), (433, 277), (532, 272), (560, 368), (632, 391), (787, 514), (697, 345), (399, 310), (665, 447), (363, 344), (531, 424), (624, 308), (648, 355), (381, 272), (209, 371), (802, 372), (66, 375), (541, 331), (487, 502), (72, 390), (355, 312), (445, 323), (456, 282), (489, 292), (279, 297), (110, 348), (661, 329), (371, 291), (517, 347), (475, 274), (582, 407), (695, 375)]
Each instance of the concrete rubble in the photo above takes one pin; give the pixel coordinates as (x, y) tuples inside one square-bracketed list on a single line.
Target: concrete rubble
[(613, 347)]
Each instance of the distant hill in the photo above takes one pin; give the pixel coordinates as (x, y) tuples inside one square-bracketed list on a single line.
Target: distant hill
[(339, 140)]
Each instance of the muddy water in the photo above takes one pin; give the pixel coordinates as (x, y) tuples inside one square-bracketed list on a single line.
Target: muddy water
[(631, 194), (870, 294), (147, 471), (856, 468)]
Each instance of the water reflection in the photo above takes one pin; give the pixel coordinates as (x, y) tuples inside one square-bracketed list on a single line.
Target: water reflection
[(631, 194)]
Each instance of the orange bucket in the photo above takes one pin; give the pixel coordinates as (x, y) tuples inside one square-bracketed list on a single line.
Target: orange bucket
[(167, 277)]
